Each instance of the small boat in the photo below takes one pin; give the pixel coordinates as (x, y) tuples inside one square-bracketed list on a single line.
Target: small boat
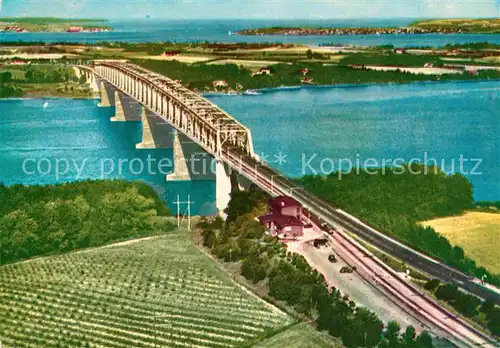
[(251, 92), (45, 105)]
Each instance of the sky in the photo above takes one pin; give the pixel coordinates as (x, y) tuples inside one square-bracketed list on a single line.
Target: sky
[(275, 9)]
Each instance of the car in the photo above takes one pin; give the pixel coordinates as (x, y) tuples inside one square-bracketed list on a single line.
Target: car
[(332, 258), (346, 269)]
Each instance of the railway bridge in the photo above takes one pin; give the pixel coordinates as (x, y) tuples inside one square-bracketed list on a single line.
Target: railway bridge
[(197, 130)]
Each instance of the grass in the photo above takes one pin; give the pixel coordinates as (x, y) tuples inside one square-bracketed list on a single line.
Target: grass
[(467, 24), (301, 335), (477, 233), (159, 291)]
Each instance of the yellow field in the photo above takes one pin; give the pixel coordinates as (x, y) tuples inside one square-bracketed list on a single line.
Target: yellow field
[(181, 58), (477, 233)]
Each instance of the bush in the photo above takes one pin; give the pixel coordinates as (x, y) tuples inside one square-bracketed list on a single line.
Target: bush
[(432, 284)]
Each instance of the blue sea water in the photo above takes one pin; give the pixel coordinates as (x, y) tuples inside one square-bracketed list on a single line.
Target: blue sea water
[(444, 120), (81, 133), (154, 30), (320, 129)]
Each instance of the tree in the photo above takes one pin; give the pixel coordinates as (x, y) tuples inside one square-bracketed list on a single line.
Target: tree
[(254, 269), (309, 54), (432, 284), (5, 77), (487, 306), (409, 336), (371, 327), (447, 292), (392, 334), (424, 340)]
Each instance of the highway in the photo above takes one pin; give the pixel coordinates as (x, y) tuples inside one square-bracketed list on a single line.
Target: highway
[(402, 293)]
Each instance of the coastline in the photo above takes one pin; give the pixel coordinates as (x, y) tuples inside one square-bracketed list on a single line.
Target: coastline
[(336, 85)]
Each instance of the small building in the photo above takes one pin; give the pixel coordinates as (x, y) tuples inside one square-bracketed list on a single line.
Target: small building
[(428, 65), (399, 51), (307, 80), (305, 71), (171, 53), (286, 205), (17, 62), (283, 226), (219, 83), (263, 71), (284, 219), (74, 29)]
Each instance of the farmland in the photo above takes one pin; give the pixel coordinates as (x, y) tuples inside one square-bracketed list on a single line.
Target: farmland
[(477, 232), (158, 291)]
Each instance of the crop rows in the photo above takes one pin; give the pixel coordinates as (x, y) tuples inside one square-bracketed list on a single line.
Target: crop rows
[(160, 292)]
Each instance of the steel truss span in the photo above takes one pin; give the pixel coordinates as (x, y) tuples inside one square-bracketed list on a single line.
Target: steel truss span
[(193, 115)]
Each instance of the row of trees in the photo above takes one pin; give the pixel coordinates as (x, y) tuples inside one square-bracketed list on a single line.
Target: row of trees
[(467, 304), (291, 280), (41, 220), (390, 59), (48, 74), (396, 203)]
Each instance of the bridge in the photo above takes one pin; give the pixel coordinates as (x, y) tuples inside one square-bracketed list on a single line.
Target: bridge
[(174, 116)]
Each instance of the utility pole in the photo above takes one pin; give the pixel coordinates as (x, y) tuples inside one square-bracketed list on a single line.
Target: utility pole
[(188, 211)]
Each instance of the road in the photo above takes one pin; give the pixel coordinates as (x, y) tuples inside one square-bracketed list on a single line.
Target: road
[(402, 293)]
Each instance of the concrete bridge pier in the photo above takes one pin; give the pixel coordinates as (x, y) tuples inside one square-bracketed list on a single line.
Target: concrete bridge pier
[(156, 133), (126, 108), (191, 162), (94, 87), (107, 95)]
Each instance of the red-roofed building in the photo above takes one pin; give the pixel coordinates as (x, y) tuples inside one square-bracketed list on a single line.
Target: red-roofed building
[(285, 205), (74, 29), (17, 62), (284, 220)]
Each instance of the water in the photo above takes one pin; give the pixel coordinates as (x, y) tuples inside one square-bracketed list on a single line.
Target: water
[(218, 31), (380, 122), (318, 126), (81, 133)]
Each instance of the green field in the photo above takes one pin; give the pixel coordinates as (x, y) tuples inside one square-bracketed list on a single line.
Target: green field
[(153, 292), (50, 24), (299, 336), (476, 25)]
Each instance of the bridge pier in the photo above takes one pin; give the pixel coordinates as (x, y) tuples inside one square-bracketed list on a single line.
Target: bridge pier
[(156, 133), (191, 162), (106, 94), (94, 87), (126, 108)]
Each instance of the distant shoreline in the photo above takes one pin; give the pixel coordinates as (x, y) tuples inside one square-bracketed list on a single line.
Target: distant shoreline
[(436, 26), (51, 25)]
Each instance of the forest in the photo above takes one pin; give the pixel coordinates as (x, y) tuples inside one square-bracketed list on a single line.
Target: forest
[(396, 203), (45, 220)]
